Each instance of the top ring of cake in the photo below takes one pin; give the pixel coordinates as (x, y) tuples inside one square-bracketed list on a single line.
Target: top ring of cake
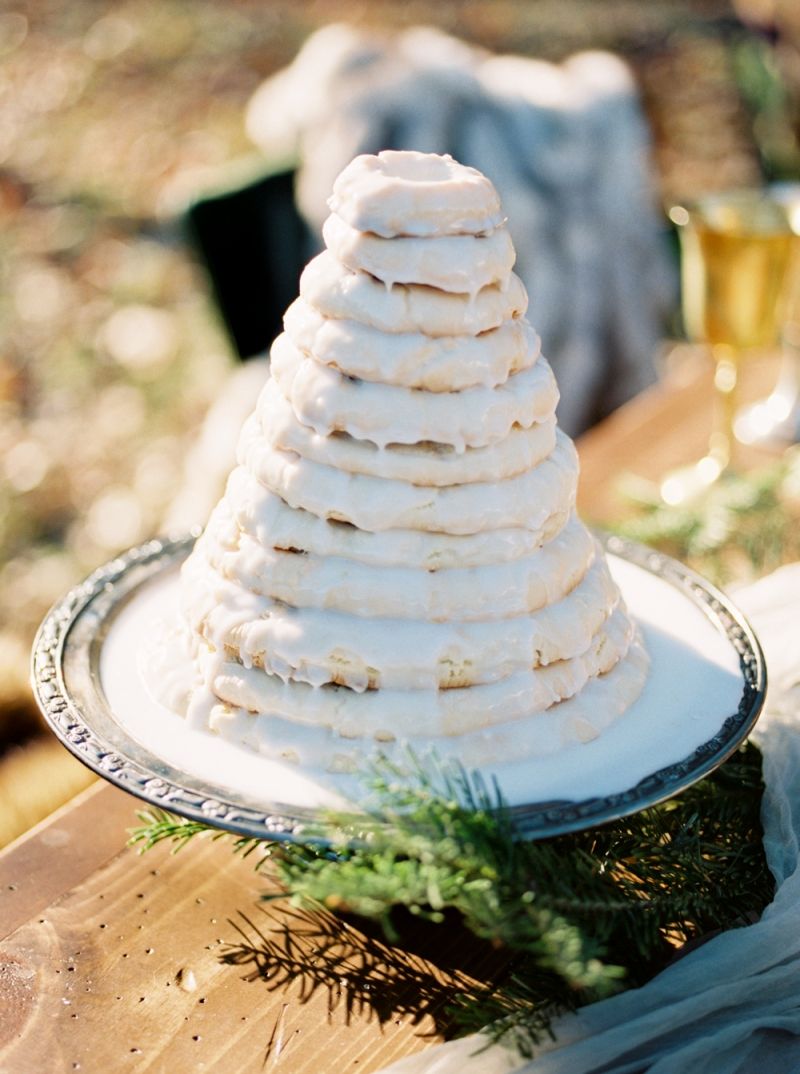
[(418, 194)]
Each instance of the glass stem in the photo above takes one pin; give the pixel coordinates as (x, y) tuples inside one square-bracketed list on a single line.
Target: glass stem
[(785, 396), (726, 379)]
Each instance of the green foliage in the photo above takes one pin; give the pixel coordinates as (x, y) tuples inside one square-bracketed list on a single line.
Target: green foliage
[(159, 826), (744, 525), (579, 915), (767, 94)]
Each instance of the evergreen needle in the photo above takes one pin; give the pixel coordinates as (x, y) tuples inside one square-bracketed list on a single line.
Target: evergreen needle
[(580, 915)]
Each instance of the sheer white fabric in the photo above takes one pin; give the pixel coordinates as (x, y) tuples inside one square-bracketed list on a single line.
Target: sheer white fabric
[(731, 1006)]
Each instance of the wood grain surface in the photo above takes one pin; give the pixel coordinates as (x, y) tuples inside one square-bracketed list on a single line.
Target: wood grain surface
[(665, 427), (111, 961)]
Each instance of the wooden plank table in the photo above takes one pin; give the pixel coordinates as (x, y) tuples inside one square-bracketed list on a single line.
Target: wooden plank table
[(665, 427), (111, 961)]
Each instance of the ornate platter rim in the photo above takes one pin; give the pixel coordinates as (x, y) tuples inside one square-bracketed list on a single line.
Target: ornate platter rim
[(66, 683)]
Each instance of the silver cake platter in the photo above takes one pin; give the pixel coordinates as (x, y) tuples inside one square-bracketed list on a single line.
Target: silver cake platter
[(71, 688)]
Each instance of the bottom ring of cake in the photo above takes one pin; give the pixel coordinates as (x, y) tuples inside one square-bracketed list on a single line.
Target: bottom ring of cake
[(704, 692)]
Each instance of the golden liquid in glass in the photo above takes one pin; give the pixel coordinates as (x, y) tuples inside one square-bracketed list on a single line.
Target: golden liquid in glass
[(735, 276)]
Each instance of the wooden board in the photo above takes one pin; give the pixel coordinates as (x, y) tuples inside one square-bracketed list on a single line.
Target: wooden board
[(111, 960), (663, 428)]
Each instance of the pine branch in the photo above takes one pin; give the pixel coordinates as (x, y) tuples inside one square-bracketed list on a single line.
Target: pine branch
[(159, 826), (518, 1010), (581, 914), (743, 525)]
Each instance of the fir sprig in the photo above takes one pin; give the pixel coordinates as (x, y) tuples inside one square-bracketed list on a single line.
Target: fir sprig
[(580, 915), (742, 526), (159, 826)]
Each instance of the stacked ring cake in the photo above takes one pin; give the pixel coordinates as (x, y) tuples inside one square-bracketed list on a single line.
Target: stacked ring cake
[(397, 558)]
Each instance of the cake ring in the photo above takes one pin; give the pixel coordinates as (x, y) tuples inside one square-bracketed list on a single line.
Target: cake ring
[(413, 359), (408, 193), (338, 292), (426, 464), (459, 263), (328, 402)]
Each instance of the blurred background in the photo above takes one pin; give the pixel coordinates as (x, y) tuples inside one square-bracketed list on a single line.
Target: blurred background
[(116, 118)]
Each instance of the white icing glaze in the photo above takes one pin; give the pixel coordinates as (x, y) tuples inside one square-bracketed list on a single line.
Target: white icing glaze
[(408, 193), (386, 714), (317, 646), (397, 558), (525, 500), (599, 703), (329, 402), (419, 464), (337, 292), (413, 359), (252, 508), (495, 591), (459, 263)]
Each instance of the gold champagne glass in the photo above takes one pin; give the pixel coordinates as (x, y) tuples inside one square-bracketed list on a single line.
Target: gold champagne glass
[(776, 419), (735, 257)]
